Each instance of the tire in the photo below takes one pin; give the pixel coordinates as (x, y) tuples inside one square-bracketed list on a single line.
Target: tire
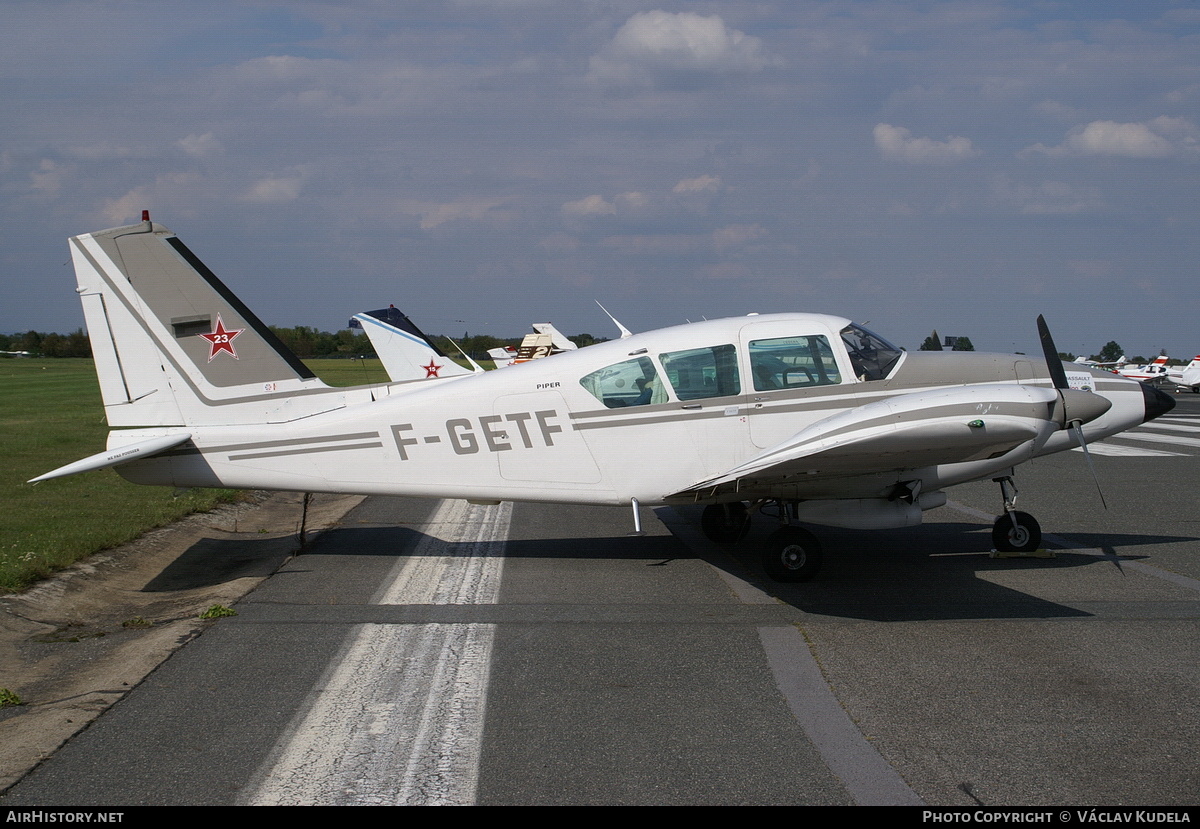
[(1023, 538), (792, 555), (725, 523)]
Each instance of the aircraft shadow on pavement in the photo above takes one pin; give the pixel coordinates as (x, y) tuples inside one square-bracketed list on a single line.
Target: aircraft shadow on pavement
[(935, 572), (930, 572), (405, 541), (212, 561)]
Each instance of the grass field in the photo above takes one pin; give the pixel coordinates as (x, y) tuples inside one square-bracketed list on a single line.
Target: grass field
[(50, 415)]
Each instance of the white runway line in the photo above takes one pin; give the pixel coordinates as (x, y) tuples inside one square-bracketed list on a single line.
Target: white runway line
[(399, 719), (1117, 450), (1171, 425), (1172, 439)]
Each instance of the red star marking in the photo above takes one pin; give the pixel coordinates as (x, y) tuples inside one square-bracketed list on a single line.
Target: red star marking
[(431, 370), (222, 340)]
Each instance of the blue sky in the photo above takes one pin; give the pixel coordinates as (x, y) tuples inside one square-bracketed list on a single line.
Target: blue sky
[(483, 165)]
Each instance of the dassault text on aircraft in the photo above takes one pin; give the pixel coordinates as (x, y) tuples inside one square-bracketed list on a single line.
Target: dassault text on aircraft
[(810, 413)]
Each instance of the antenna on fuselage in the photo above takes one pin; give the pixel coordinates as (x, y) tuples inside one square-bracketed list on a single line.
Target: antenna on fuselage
[(475, 367), (625, 332)]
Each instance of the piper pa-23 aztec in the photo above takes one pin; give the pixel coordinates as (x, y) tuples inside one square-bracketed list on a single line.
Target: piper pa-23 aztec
[(808, 412)]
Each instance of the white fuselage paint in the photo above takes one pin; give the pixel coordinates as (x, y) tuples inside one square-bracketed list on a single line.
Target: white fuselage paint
[(398, 719)]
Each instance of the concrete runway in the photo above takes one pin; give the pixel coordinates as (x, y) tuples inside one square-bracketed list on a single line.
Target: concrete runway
[(431, 652)]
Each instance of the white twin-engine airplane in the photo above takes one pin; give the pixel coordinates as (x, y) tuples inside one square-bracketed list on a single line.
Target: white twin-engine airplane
[(808, 412)]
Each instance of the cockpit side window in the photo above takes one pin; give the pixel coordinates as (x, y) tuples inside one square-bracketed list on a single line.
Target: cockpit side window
[(702, 372), (631, 383), (793, 362), (872, 356)]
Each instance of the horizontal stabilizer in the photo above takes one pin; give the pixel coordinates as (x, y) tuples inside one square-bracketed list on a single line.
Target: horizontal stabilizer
[(114, 457)]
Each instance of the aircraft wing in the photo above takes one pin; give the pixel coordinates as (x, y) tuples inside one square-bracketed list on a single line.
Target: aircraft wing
[(909, 431)]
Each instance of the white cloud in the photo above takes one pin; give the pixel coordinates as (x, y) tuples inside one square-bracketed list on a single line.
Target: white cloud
[(733, 235), (469, 209), (700, 184), (170, 191), (1160, 137), (632, 200), (1048, 197), (268, 190), (589, 206), (200, 146), (898, 144), (659, 40), (127, 207), (48, 178)]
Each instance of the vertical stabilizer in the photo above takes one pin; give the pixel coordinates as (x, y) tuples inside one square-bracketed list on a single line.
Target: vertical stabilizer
[(406, 353), (173, 345)]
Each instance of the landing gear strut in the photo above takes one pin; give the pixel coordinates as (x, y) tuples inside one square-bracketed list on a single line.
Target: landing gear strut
[(1014, 531), (790, 554)]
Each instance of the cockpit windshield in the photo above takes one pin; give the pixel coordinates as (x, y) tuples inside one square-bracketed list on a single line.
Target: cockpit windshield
[(872, 356)]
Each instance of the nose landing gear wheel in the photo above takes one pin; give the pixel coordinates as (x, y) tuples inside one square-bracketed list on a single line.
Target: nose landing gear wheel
[(792, 554), (1025, 537)]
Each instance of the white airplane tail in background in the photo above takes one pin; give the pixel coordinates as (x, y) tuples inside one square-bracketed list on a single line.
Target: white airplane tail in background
[(173, 346), (403, 348)]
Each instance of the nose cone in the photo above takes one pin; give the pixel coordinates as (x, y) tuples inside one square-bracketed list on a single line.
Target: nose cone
[(1158, 402)]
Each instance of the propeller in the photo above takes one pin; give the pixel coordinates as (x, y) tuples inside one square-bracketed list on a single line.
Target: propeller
[(1078, 407)]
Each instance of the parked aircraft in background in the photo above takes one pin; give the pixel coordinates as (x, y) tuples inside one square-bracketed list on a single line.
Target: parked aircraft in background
[(404, 349), (1186, 377), (543, 342), (809, 412), (1120, 361), (1154, 372)]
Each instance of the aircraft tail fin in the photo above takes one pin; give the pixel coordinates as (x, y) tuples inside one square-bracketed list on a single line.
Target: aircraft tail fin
[(406, 353), (173, 345)]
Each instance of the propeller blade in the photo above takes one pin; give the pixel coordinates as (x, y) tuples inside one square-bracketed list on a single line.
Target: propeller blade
[(1077, 429), (1053, 362), (1084, 405)]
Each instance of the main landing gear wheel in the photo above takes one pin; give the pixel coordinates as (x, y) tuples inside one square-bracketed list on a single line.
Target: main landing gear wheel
[(792, 554), (725, 523), (1025, 537)]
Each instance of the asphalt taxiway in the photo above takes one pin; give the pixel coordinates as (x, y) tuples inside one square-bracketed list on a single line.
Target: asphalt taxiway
[(434, 652)]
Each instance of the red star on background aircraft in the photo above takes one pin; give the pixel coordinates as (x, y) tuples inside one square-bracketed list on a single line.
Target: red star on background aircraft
[(431, 370), (222, 340)]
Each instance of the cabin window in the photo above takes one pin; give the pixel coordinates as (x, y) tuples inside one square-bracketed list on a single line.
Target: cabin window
[(793, 362), (702, 372), (872, 356), (631, 383)]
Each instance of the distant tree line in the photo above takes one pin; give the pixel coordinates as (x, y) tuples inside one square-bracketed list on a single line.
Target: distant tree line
[(75, 344), (305, 341), (934, 343), (309, 342)]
